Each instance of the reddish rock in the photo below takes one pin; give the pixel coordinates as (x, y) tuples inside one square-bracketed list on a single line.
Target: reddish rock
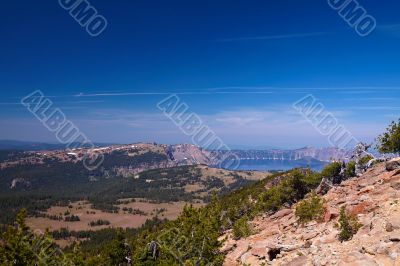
[(395, 185), (260, 252), (397, 172), (287, 223), (395, 237), (310, 235), (363, 207), (240, 250), (383, 260), (330, 214), (356, 258), (372, 197), (328, 238), (299, 261), (272, 232), (280, 214), (397, 262), (367, 189), (394, 219), (366, 229)]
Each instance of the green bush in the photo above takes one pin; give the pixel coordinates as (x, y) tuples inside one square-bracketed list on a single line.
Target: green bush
[(116, 251), (242, 228), (20, 246), (191, 239), (291, 189), (389, 142), (310, 209), (364, 160), (348, 225), (296, 184), (350, 169), (332, 171)]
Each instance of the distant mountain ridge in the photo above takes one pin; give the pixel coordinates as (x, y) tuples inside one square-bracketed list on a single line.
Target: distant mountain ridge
[(321, 154), (36, 146), (191, 154)]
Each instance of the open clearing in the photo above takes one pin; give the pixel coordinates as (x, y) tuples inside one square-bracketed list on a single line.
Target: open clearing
[(122, 219)]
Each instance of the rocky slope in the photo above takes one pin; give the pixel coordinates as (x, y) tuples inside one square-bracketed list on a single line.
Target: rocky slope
[(281, 240)]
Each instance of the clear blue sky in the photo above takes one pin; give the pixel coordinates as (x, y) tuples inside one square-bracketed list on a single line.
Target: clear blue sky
[(238, 64)]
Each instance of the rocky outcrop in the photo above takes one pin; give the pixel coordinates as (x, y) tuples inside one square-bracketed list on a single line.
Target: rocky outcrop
[(324, 186), (189, 154), (373, 197), (393, 164)]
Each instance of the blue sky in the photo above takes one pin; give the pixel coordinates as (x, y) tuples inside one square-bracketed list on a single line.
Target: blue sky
[(239, 65)]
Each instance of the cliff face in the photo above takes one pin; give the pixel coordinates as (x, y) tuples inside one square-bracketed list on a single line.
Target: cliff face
[(188, 153), (280, 240), (321, 154)]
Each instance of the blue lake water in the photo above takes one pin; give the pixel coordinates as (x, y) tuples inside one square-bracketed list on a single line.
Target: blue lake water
[(268, 165)]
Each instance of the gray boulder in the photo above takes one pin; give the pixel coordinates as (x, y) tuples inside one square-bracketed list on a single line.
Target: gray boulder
[(393, 164), (324, 186)]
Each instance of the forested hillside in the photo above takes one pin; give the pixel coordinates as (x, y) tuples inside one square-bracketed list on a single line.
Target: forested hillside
[(54, 183), (197, 229)]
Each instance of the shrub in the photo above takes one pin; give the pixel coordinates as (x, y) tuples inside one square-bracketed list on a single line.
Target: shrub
[(99, 223), (350, 169), (310, 209), (364, 160), (20, 246), (117, 250), (290, 190), (72, 218), (348, 225), (389, 142), (332, 171), (242, 228)]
